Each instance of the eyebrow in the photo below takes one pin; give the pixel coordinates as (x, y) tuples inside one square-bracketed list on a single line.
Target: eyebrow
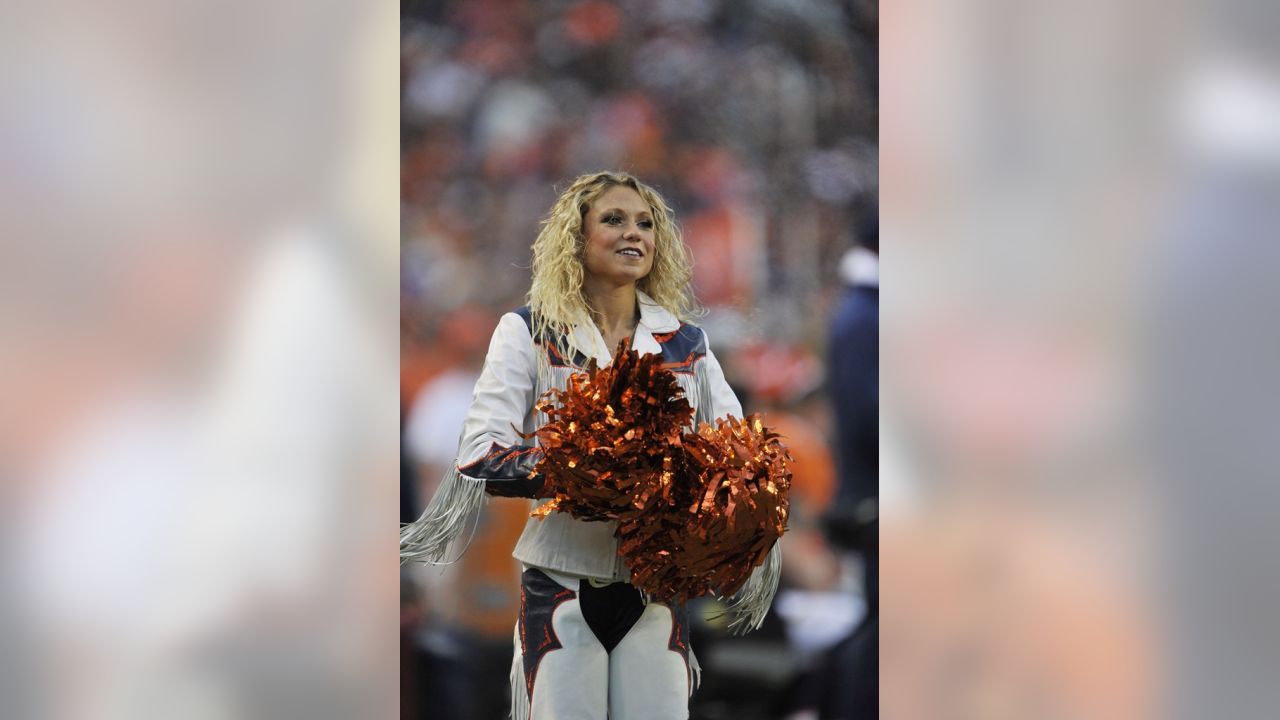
[(623, 212)]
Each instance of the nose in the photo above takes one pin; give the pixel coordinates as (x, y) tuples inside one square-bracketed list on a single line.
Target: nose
[(632, 232)]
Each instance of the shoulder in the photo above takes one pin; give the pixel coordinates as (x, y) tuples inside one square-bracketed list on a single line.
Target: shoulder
[(557, 348), (685, 334), (526, 316), (682, 347), (513, 329)]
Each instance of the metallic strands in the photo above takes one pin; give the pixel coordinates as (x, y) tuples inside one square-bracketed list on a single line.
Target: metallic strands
[(696, 511), (735, 476), (607, 436)]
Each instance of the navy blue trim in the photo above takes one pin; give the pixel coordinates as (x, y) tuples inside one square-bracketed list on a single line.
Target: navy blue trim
[(679, 640), (682, 348), (506, 471), (539, 598), (527, 316), (558, 349)]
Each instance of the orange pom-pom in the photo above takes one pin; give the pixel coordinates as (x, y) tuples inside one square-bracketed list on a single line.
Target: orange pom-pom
[(607, 440), (737, 509), (696, 511)]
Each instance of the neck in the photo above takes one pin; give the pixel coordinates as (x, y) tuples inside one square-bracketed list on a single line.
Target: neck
[(613, 307)]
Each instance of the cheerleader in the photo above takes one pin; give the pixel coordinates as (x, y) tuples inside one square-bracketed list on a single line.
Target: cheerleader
[(609, 266)]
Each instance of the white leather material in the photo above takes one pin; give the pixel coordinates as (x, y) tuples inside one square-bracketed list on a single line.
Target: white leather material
[(503, 405), (641, 679)]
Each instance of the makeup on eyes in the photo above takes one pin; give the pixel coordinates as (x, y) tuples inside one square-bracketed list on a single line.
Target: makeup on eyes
[(612, 216)]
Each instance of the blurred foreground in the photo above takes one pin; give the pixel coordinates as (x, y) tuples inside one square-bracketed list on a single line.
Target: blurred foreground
[(1079, 202)]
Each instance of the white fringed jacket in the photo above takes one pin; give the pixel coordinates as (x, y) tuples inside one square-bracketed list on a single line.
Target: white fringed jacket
[(491, 459)]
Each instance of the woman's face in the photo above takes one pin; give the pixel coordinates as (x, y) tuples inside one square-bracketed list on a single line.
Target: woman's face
[(619, 237)]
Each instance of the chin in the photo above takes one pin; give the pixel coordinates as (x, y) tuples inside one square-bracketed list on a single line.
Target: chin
[(639, 272), (622, 275)]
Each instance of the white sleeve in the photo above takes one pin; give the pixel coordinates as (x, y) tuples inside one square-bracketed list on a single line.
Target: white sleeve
[(504, 394), (723, 400), (502, 398)]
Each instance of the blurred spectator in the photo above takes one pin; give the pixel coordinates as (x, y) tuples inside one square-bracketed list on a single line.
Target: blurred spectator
[(847, 681), (855, 368)]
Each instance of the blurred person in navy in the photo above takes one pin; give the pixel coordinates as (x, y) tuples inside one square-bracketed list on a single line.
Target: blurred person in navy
[(849, 682), (854, 362)]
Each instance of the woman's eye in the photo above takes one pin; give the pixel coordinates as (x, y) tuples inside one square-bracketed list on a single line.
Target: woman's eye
[(646, 224)]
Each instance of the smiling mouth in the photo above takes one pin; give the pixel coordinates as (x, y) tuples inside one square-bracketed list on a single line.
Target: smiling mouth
[(630, 252)]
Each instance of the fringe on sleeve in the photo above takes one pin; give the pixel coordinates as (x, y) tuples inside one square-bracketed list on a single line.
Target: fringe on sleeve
[(749, 605), (519, 690), (456, 505)]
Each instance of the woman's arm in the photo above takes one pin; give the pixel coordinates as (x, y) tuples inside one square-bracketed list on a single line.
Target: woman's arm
[(491, 448), (490, 458)]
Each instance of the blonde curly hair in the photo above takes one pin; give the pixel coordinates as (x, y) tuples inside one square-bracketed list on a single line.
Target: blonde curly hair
[(556, 296)]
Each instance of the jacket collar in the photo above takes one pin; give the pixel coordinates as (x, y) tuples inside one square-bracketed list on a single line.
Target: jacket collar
[(654, 319)]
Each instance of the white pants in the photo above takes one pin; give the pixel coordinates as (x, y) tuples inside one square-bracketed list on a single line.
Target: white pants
[(588, 653)]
